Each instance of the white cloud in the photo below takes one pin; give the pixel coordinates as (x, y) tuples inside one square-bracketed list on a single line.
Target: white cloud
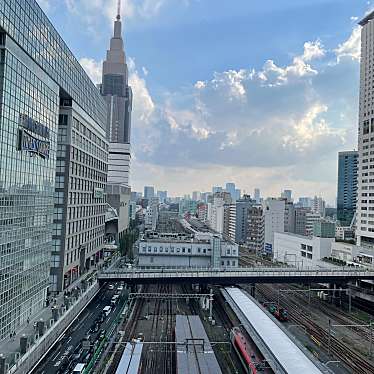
[(354, 18), (93, 68), (231, 83), (313, 50), (273, 75), (91, 11), (310, 129), (143, 105), (351, 48)]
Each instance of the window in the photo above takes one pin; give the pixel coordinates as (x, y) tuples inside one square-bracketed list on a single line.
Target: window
[(59, 182), (59, 197)]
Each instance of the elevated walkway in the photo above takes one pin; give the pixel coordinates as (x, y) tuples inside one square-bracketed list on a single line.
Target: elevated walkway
[(234, 276)]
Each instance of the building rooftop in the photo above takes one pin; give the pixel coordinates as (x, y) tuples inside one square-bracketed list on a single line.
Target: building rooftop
[(366, 19)]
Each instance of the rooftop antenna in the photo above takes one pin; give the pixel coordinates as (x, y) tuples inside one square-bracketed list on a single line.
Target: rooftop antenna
[(119, 10)]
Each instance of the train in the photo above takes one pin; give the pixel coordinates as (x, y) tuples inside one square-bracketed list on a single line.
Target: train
[(241, 347), (281, 314)]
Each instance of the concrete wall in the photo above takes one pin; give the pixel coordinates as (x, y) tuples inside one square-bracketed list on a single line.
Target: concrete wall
[(299, 250)]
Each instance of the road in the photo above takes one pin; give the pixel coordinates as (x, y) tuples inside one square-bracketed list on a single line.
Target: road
[(68, 351)]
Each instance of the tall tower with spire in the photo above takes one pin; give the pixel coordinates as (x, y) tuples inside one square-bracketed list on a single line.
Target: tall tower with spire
[(118, 95)]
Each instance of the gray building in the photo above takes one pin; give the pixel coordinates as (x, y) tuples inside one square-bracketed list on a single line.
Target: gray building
[(149, 192), (256, 228), (289, 217), (80, 203), (118, 96), (347, 186), (37, 72), (241, 228), (301, 220)]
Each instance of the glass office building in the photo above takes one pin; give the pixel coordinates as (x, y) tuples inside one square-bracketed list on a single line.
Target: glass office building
[(347, 186), (37, 73)]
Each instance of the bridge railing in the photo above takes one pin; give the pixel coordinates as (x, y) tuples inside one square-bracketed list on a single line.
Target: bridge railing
[(237, 272)]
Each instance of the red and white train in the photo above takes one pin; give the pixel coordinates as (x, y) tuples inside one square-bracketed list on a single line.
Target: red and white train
[(244, 351)]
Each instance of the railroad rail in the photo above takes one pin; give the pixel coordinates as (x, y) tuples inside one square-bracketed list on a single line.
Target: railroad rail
[(343, 352)]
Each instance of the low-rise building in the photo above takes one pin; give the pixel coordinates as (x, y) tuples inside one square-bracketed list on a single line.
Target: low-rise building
[(301, 251), (190, 248)]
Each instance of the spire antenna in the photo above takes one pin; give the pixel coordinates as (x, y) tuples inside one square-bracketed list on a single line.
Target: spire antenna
[(119, 10)]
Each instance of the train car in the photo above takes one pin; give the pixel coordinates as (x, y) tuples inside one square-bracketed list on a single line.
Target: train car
[(281, 314), (272, 308), (240, 344), (130, 361)]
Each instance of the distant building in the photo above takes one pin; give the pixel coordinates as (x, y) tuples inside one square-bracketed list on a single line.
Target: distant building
[(274, 210), (162, 195), (257, 195), (187, 206), (230, 216), (241, 226), (289, 217), (216, 189), (151, 214), (347, 186), (230, 188), (305, 202), (216, 214), (300, 220), (196, 195), (324, 229), (319, 206), (202, 212), (311, 219), (287, 194), (256, 229), (149, 192)]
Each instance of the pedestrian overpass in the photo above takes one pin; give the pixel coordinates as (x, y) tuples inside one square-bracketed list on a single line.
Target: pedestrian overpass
[(235, 275)]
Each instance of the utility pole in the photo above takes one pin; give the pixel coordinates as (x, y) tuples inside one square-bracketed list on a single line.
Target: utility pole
[(309, 294), (329, 338), (371, 338), (210, 305)]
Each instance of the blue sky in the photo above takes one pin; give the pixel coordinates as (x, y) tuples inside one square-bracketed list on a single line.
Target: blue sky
[(262, 93)]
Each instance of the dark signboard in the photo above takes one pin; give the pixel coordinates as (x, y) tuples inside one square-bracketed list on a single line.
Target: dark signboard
[(30, 143)]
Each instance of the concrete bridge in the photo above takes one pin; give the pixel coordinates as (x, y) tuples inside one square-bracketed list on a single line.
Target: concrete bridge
[(234, 276)]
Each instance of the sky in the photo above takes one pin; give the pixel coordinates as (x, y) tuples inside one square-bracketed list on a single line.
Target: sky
[(260, 93)]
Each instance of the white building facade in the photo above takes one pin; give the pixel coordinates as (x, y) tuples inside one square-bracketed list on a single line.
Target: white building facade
[(274, 210), (365, 195), (181, 250), (301, 251)]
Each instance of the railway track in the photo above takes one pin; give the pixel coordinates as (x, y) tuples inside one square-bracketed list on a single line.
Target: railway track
[(352, 359), (129, 329)]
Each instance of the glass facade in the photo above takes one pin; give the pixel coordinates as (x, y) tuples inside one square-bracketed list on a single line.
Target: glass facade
[(37, 74), (26, 192), (347, 186)]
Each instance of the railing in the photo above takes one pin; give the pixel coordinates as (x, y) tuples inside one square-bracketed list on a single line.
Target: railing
[(237, 272)]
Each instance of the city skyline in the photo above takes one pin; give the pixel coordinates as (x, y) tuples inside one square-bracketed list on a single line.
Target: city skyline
[(268, 133)]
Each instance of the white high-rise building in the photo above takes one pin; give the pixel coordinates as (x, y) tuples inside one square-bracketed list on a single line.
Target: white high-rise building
[(319, 206), (216, 214), (365, 201), (257, 195), (274, 210)]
